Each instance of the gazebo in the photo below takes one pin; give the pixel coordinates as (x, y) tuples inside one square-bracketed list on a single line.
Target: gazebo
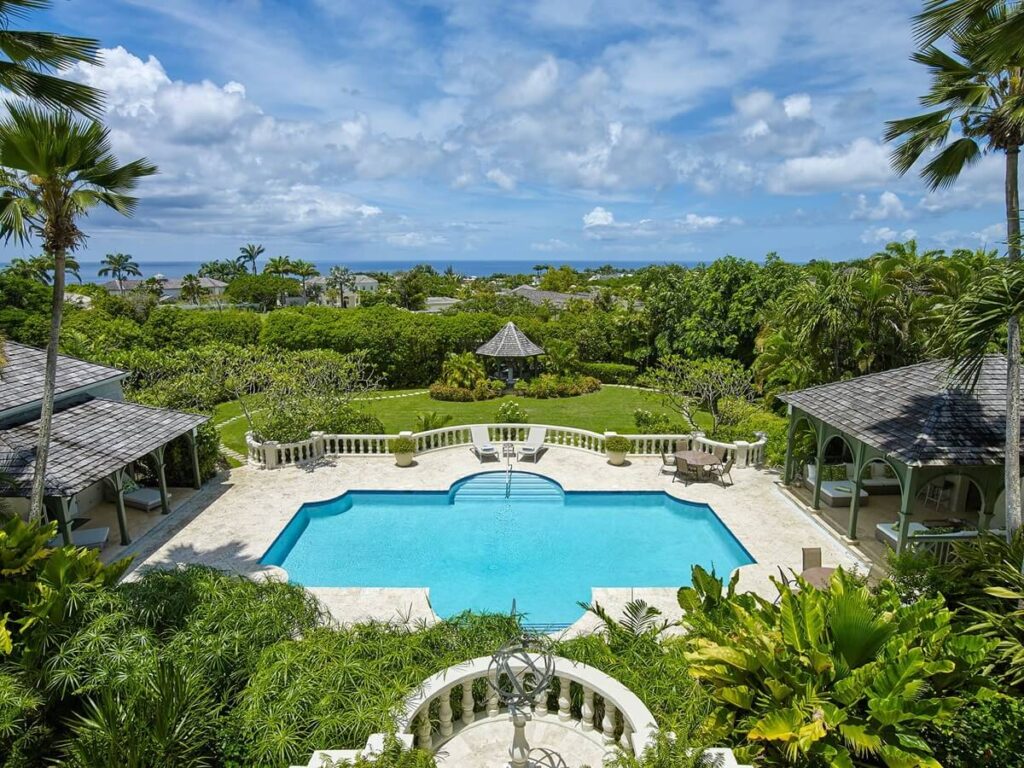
[(509, 343), (916, 422)]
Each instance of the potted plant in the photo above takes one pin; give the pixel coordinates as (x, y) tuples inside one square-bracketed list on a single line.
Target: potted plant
[(403, 448), (617, 447)]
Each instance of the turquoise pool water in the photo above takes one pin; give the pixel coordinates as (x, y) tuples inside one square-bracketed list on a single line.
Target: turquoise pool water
[(477, 549)]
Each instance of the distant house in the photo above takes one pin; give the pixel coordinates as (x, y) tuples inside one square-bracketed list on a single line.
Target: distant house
[(351, 295), (538, 297), (95, 438), (435, 304), (171, 286)]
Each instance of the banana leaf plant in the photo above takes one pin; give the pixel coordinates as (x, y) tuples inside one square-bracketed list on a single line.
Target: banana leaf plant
[(840, 677)]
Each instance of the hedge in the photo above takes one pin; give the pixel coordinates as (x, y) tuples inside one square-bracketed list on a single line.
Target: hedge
[(609, 373)]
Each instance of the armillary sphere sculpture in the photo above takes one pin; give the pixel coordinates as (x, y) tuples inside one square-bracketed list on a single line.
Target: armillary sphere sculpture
[(520, 673)]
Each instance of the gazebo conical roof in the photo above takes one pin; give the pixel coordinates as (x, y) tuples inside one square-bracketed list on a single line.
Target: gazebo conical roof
[(509, 342)]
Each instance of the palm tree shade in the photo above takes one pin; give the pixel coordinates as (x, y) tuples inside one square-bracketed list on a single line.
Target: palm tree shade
[(31, 57), (119, 266), (976, 99), (248, 254), (53, 169)]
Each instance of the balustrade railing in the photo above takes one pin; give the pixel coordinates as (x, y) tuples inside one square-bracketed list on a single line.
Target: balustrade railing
[(455, 698), (272, 454)]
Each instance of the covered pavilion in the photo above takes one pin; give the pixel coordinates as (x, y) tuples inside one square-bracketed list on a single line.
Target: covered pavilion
[(915, 420), (510, 343)]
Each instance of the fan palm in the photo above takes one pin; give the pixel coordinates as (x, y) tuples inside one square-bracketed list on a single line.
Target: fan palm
[(32, 56), (192, 289), (119, 266), (248, 254), (53, 169), (279, 265), (984, 104)]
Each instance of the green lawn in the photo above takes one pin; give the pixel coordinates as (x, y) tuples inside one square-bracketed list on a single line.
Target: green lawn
[(610, 409)]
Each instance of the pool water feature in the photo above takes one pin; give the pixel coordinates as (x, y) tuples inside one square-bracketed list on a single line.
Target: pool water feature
[(496, 537)]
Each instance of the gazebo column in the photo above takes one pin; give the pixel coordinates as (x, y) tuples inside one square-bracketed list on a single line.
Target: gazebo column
[(193, 443), (157, 455), (60, 509), (819, 460), (908, 492), (117, 481), (858, 470)]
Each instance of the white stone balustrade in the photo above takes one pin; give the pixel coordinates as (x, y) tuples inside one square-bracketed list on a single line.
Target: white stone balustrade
[(271, 455)]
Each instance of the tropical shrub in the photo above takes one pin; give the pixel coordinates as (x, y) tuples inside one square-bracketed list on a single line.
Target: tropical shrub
[(432, 420), (740, 419), (484, 389), (462, 370), (648, 423), (264, 292), (549, 385), (176, 328), (838, 677), (178, 456), (511, 412), (986, 732), (609, 373)]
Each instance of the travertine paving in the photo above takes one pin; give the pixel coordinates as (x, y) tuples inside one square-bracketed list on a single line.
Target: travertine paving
[(251, 506)]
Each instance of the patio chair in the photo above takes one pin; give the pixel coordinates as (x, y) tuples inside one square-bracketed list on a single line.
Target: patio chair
[(482, 446), (668, 463), (534, 445), (722, 471), (685, 471), (811, 558)]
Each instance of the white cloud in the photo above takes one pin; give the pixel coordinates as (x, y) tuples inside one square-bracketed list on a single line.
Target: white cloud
[(415, 239), (992, 236), (863, 162), (797, 106), (552, 245), (598, 217), (884, 235), (501, 179), (889, 206), (536, 87)]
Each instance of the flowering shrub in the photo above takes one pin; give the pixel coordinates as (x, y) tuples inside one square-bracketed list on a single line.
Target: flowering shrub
[(511, 412)]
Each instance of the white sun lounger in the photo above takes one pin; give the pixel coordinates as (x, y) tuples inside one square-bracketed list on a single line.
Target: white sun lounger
[(482, 443), (90, 538), (534, 445)]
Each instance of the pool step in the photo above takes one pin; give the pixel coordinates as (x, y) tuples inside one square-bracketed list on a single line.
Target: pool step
[(524, 487)]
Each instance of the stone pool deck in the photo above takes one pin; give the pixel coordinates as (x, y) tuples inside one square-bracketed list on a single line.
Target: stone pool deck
[(231, 524)]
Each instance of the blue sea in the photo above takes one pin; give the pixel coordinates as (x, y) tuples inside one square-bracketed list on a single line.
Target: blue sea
[(475, 267)]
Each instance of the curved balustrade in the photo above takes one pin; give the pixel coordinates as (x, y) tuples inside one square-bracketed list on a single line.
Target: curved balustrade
[(272, 454), (456, 697)]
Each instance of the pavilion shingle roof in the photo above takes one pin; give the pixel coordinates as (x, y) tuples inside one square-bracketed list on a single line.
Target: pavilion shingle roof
[(21, 379), (88, 442), (916, 414), (509, 342)]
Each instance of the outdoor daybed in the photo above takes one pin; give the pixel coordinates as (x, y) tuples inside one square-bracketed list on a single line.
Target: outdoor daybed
[(835, 493)]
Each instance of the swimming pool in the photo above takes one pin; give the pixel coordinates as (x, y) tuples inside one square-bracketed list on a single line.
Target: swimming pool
[(492, 538)]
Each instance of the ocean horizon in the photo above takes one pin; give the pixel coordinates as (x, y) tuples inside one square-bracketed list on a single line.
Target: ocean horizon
[(473, 267)]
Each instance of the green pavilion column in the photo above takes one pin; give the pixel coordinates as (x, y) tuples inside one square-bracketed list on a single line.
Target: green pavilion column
[(161, 478), (60, 508), (790, 439), (193, 444), (908, 492), (117, 481), (819, 460), (858, 470)]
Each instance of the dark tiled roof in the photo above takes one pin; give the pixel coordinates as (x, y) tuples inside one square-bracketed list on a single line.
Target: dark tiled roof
[(21, 379), (168, 283), (916, 414), (88, 442), (556, 299), (509, 342)]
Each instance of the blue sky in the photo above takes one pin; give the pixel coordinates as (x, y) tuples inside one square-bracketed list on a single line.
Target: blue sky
[(548, 130)]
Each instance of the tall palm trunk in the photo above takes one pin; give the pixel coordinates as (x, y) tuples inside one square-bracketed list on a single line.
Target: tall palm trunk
[(49, 387), (1013, 404)]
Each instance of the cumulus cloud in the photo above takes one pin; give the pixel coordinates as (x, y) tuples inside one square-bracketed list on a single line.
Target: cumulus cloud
[(598, 217), (888, 206), (552, 245), (861, 163), (415, 239), (600, 224), (991, 236), (501, 179), (883, 235)]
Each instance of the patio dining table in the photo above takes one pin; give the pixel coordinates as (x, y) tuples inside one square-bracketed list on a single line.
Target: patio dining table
[(698, 459)]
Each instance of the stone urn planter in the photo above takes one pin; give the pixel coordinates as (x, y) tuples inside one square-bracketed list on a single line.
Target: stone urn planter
[(616, 448), (403, 448)]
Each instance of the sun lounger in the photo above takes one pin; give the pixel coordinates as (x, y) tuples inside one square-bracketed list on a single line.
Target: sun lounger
[(90, 538), (482, 443), (534, 445)]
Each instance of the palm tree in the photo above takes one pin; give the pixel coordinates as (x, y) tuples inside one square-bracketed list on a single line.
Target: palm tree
[(279, 265), (248, 254), (1004, 38), (40, 268), (985, 105), (30, 57), (340, 279), (119, 266), (53, 169), (304, 270), (192, 289)]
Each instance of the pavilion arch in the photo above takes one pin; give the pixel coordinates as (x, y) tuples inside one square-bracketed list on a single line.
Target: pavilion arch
[(957, 492)]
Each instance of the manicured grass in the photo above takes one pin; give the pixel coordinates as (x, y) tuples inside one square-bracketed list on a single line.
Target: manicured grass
[(608, 410)]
